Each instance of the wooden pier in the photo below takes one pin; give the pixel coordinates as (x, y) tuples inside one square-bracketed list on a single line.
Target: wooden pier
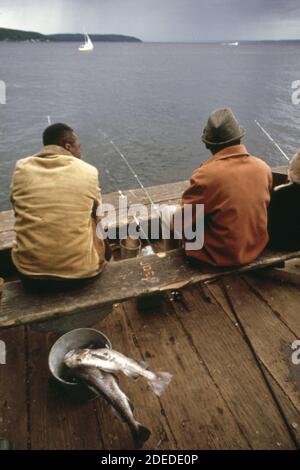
[(218, 398)]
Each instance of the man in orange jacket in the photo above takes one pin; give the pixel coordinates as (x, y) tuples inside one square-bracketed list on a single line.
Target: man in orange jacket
[(235, 189)]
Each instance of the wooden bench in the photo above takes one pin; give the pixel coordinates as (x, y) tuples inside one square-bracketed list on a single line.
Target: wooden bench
[(121, 281)]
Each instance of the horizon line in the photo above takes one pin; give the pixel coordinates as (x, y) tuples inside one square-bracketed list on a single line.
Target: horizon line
[(200, 41)]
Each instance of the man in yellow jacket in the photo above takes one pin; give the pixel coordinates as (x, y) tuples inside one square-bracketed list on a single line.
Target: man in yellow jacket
[(55, 197), (235, 189)]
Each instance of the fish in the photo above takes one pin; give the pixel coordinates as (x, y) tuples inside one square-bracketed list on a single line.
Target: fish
[(107, 385), (112, 361)]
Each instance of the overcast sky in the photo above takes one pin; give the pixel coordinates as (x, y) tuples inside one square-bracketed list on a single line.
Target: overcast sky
[(158, 20)]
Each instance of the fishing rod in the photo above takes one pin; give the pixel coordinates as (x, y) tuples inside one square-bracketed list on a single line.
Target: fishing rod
[(133, 172), (140, 228), (113, 180), (121, 194), (272, 140)]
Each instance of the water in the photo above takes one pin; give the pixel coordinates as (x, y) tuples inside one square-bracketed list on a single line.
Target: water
[(152, 99)]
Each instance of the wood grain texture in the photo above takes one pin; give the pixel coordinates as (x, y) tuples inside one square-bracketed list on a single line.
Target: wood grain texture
[(282, 298), (57, 421), (284, 302), (121, 281), (192, 409), (216, 400), (233, 370), (147, 407), (14, 419), (270, 336)]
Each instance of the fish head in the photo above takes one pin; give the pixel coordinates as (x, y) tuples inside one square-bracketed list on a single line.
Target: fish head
[(75, 357)]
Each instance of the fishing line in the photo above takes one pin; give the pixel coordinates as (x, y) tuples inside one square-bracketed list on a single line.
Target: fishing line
[(114, 180), (260, 366), (133, 172), (272, 140)]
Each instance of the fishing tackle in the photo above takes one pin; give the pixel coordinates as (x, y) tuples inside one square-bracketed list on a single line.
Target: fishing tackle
[(132, 171), (272, 140)]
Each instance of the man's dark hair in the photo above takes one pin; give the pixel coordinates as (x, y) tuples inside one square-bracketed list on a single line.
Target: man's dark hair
[(56, 134)]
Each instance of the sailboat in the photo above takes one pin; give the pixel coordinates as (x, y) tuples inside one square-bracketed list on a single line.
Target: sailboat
[(87, 46), (230, 43)]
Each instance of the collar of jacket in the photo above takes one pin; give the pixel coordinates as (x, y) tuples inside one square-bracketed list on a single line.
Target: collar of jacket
[(229, 152), (52, 151)]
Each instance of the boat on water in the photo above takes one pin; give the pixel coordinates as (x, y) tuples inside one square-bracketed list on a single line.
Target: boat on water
[(88, 46), (230, 43)]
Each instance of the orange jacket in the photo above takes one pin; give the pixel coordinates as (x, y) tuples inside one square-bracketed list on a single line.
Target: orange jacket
[(235, 189)]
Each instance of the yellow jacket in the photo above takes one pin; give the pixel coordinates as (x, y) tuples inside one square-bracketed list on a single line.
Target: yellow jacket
[(235, 190), (55, 198)]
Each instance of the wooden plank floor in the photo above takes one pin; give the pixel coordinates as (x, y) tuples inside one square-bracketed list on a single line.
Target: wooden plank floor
[(217, 399)]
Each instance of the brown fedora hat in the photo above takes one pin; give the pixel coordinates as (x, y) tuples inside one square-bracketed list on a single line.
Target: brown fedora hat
[(222, 128)]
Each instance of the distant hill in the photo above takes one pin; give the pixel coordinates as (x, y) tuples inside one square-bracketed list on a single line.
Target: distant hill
[(18, 35), (94, 37)]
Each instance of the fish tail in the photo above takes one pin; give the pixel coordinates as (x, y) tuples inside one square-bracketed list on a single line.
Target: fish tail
[(160, 383), (141, 435)]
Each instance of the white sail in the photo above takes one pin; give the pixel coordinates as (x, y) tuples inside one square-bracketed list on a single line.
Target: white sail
[(87, 46), (230, 43)]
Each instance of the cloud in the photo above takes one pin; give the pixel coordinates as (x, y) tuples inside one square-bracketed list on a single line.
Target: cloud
[(156, 20), (32, 15)]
